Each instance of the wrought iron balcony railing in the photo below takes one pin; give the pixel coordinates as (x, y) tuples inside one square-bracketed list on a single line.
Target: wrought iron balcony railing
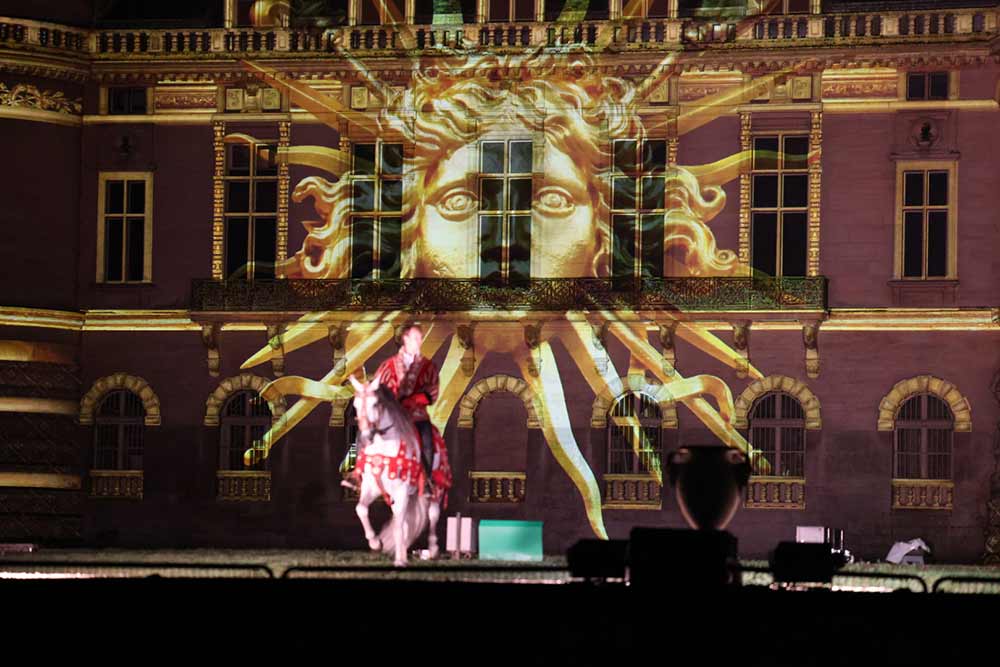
[(551, 294)]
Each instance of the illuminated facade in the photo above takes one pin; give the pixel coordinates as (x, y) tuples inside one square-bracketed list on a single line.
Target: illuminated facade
[(626, 227)]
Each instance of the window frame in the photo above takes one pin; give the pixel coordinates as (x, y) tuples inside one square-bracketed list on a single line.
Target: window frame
[(779, 424), (779, 210), (925, 424), (248, 421), (378, 177), (637, 175), (623, 421), (121, 422), (253, 179), (902, 167), (103, 178), (504, 213), (926, 74)]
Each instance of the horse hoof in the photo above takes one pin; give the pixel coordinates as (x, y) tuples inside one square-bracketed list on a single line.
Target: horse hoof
[(375, 544)]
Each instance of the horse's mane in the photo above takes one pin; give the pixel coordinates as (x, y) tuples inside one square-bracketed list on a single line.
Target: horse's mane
[(397, 416)]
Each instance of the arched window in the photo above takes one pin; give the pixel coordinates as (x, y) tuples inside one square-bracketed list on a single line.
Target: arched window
[(634, 435), (922, 439), (246, 417), (118, 431), (778, 433)]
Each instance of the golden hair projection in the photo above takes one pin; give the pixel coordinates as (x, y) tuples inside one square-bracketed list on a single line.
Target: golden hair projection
[(561, 100)]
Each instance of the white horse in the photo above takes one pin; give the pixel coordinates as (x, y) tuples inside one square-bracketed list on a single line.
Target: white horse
[(389, 465)]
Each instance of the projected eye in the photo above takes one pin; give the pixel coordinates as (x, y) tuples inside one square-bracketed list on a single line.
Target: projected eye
[(457, 204), (555, 201)]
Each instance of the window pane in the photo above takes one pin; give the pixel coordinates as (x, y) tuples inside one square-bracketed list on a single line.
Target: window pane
[(267, 160), (239, 160), (392, 158), (624, 159), (491, 194), (266, 200), (765, 153), (795, 190), (520, 157), (363, 195), (938, 86), (765, 191), (389, 247), (913, 244), (796, 152), (490, 247), (520, 194), (492, 158), (658, 9), (364, 158), (652, 192), (913, 188), (520, 249), (423, 11), (499, 10), (136, 248), (369, 13), (553, 9), (113, 248), (763, 244), (793, 244), (937, 244), (916, 87), (392, 195), (937, 190), (362, 243), (654, 155), (237, 196), (114, 197), (596, 10), (237, 252), (265, 247), (524, 10), (652, 245), (137, 197), (624, 193), (623, 246)]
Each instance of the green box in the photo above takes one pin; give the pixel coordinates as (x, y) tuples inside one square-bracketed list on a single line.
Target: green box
[(510, 540)]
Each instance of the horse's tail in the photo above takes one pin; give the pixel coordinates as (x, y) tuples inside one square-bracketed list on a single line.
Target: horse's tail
[(414, 523)]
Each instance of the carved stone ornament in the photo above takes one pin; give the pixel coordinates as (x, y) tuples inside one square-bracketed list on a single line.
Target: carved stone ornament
[(741, 343), (810, 338), (30, 97), (463, 333), (210, 336)]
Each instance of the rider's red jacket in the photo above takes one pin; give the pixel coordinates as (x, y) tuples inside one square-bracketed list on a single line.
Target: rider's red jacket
[(415, 387)]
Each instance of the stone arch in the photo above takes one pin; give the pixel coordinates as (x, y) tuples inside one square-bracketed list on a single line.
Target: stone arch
[(109, 383), (782, 383), (638, 383), (922, 384), (230, 386), (500, 382)]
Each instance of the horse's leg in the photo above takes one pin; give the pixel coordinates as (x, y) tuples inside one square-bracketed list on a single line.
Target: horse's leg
[(433, 514), (400, 503), (366, 496)]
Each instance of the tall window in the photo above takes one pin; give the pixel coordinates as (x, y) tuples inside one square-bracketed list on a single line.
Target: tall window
[(638, 203), (511, 10), (125, 227), (634, 435), (778, 433), (927, 86), (923, 434), (779, 200), (251, 210), (505, 196), (376, 206), (925, 232), (118, 430), (351, 435), (245, 419), (128, 100), (369, 12)]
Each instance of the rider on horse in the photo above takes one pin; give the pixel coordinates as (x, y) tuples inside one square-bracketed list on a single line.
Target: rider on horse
[(413, 380)]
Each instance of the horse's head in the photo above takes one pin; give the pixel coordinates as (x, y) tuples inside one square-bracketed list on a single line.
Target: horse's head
[(366, 403)]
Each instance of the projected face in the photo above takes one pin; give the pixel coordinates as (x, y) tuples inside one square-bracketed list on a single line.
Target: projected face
[(564, 235)]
